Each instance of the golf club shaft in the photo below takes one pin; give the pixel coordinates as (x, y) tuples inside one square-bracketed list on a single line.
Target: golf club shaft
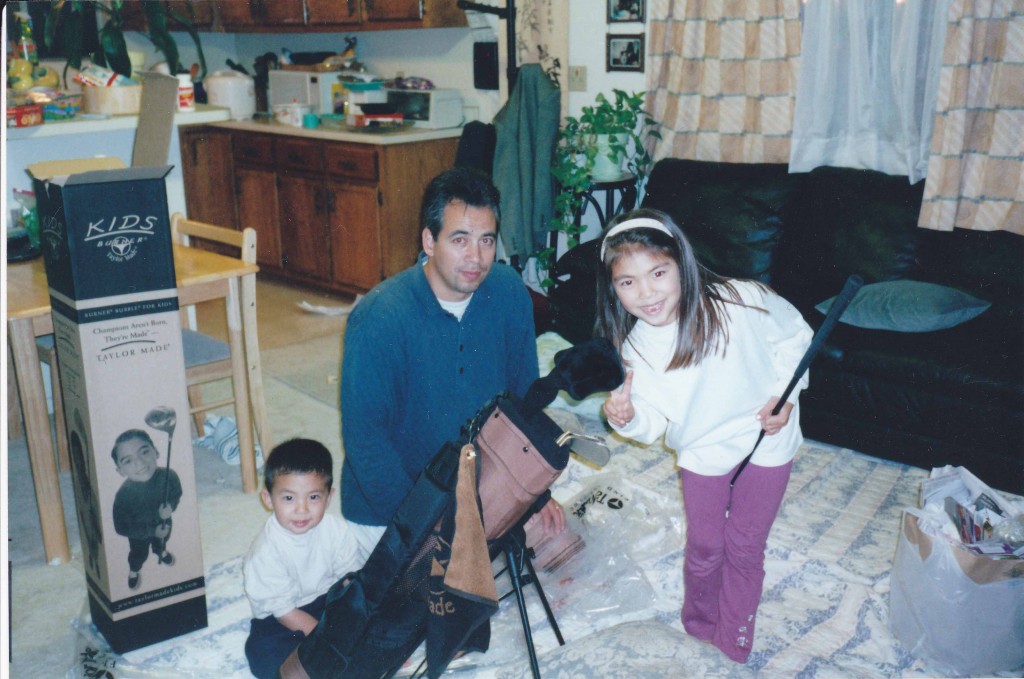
[(843, 299)]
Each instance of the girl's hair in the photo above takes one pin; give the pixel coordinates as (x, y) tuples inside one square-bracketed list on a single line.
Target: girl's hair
[(130, 435), (701, 328), (298, 456)]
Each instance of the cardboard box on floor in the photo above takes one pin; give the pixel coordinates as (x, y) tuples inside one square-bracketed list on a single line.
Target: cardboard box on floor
[(109, 262)]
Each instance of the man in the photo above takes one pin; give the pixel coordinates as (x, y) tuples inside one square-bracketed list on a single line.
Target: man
[(425, 349)]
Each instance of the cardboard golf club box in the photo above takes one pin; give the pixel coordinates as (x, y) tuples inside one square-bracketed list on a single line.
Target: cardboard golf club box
[(106, 240)]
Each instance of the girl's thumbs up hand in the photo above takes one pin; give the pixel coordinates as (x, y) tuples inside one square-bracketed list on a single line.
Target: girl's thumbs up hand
[(618, 407)]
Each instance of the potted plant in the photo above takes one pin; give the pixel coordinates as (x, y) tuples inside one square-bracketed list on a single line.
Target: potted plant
[(606, 142), (65, 27)]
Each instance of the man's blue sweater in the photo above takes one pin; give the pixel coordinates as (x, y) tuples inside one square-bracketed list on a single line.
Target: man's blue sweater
[(412, 375)]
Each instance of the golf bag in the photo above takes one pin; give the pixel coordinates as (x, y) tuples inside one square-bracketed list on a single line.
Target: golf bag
[(430, 577)]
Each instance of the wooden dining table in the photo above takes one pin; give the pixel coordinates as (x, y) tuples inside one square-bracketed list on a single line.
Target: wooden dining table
[(201, 276)]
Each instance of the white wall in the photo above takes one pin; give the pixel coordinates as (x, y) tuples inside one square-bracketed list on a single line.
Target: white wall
[(588, 26)]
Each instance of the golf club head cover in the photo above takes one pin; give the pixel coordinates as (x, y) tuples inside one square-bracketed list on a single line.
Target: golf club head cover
[(580, 371)]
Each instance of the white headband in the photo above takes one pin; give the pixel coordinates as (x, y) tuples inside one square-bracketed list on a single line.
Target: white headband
[(637, 223)]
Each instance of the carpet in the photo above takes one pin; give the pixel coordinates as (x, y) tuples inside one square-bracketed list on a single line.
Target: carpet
[(823, 614), (312, 367)]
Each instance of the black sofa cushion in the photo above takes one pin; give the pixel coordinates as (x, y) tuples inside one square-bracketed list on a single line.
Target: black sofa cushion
[(842, 222), (732, 211)]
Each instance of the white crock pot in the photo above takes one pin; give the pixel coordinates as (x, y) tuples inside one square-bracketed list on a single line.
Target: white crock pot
[(233, 90)]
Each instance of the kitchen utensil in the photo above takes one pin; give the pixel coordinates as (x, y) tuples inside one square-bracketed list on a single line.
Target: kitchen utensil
[(233, 90)]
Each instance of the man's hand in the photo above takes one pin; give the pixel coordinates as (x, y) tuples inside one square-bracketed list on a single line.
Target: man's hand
[(165, 511), (162, 531), (618, 407), (772, 424), (551, 517)]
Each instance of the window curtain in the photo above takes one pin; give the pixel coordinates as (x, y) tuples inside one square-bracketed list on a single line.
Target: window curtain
[(976, 169), (868, 80), (722, 77)]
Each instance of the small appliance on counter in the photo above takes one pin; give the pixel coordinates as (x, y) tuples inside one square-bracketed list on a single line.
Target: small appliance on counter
[(322, 92), (233, 90), (433, 109)]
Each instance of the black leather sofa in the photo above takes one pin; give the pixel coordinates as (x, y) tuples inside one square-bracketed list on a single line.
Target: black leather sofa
[(948, 396)]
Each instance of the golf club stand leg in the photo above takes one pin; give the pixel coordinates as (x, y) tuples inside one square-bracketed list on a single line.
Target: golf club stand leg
[(528, 562), (517, 588)]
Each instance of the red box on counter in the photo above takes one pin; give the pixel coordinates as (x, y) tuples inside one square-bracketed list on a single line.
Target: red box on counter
[(25, 115)]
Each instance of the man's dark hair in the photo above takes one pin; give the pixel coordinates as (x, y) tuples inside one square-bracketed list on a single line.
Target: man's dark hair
[(298, 456), (462, 184)]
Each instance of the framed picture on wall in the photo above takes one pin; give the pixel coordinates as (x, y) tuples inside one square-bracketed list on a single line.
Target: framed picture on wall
[(626, 10), (625, 53)]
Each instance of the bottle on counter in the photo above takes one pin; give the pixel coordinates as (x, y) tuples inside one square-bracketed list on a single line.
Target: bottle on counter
[(186, 93), (26, 46)]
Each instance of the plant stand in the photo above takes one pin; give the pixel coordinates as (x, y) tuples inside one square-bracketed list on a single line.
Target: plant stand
[(619, 196)]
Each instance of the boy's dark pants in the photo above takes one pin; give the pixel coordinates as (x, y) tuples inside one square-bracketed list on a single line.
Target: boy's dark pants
[(138, 550), (270, 642)]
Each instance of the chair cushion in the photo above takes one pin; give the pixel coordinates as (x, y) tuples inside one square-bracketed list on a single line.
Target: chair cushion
[(201, 349)]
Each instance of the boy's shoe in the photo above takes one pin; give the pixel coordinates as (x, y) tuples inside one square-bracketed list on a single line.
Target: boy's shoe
[(166, 558), (133, 580)]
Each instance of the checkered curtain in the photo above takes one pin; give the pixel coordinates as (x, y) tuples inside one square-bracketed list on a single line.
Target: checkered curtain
[(975, 174), (722, 78)]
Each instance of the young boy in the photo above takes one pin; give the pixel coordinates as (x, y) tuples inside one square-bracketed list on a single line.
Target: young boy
[(144, 502), (300, 553)]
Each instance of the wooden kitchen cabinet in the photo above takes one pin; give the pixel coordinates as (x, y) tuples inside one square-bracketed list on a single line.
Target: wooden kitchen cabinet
[(248, 14), (354, 232), (305, 247), (206, 161), (255, 193), (338, 215), (326, 15)]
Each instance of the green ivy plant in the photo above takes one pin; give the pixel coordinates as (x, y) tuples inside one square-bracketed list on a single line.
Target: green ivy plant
[(66, 27), (576, 152)]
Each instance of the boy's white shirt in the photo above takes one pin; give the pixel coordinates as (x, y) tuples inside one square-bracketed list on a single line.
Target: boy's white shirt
[(707, 412), (284, 571)]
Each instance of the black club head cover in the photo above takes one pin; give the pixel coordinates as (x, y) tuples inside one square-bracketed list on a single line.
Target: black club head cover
[(580, 371)]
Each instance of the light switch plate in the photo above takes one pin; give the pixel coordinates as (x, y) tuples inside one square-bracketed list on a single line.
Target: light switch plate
[(577, 78)]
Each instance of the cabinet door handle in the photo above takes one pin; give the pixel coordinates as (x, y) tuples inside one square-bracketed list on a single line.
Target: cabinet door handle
[(318, 206), (296, 158), (347, 165), (330, 201)]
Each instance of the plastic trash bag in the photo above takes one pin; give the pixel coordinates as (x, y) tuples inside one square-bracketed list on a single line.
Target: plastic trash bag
[(958, 611)]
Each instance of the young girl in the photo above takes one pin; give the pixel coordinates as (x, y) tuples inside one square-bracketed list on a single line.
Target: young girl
[(707, 358)]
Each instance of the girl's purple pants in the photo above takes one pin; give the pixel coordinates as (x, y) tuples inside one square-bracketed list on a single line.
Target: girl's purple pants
[(724, 567)]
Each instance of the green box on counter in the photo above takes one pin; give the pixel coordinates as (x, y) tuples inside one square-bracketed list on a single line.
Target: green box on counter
[(106, 240)]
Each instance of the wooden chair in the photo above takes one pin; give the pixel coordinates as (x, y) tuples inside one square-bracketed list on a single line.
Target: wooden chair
[(208, 359)]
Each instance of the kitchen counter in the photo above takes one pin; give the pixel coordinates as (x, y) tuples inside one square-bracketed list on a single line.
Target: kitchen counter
[(82, 138), (204, 113), (402, 135)]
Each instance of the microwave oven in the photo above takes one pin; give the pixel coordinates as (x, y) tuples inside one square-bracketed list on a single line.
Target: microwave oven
[(433, 109), (321, 91)]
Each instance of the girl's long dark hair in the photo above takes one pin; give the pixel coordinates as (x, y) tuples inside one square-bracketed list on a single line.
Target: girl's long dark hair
[(701, 328)]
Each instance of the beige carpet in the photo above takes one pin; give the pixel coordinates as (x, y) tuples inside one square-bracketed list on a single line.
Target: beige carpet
[(312, 366)]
